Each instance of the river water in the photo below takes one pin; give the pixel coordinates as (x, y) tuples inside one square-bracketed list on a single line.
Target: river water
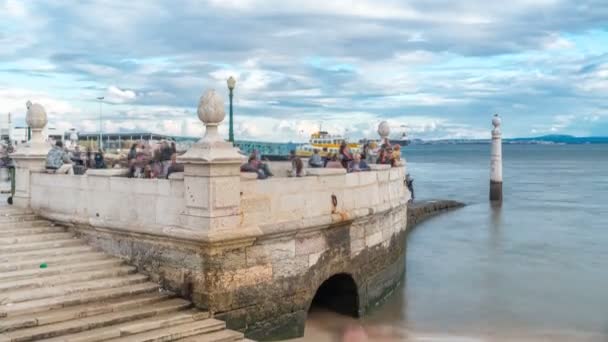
[(534, 269)]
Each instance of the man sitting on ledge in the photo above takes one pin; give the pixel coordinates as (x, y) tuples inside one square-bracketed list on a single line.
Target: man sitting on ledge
[(58, 160)]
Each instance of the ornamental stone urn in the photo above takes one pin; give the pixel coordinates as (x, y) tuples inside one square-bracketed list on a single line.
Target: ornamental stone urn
[(384, 130)]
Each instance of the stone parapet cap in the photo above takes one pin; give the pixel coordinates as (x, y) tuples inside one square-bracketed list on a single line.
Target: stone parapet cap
[(177, 176), (249, 176), (379, 167), (107, 172), (212, 152), (324, 171)]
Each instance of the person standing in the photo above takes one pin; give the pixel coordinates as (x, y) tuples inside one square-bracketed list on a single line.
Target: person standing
[(165, 158)]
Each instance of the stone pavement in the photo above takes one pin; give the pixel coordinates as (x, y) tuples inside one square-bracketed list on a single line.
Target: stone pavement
[(54, 287)]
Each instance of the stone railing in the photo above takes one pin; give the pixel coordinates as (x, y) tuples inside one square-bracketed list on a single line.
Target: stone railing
[(322, 197), (211, 200), (103, 199)]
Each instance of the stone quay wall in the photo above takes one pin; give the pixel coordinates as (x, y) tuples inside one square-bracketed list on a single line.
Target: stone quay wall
[(256, 253), (312, 228)]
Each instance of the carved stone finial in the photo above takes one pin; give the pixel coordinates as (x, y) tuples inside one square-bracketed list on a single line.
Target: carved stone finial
[(384, 130), (211, 108), (36, 116), (211, 112), (496, 121)]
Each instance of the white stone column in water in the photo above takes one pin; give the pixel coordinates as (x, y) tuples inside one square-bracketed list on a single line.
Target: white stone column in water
[(30, 157), (496, 161)]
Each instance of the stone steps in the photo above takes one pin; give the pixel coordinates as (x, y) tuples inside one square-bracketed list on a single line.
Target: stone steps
[(20, 295), (161, 321), (39, 245), (30, 231), (69, 278), (56, 260), (82, 295), (45, 252), (35, 238), (217, 336), (60, 269), (24, 224), (18, 218), (9, 211), (103, 320), (82, 311), (175, 332)]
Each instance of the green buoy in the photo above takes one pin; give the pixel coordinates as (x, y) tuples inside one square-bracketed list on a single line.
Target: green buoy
[(43, 265)]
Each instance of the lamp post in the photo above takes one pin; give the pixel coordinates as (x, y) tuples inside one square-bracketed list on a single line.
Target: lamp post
[(100, 98), (231, 83)]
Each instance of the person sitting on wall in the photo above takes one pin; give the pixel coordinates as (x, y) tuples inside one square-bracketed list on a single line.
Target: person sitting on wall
[(396, 153), (100, 162), (385, 156), (175, 166), (255, 165), (315, 160), (166, 151), (357, 165), (131, 160), (58, 160), (345, 155), (333, 163), (297, 167)]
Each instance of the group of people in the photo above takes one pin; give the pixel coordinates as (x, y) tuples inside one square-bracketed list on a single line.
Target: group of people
[(356, 162), (147, 161), (60, 160), (352, 162), (143, 160)]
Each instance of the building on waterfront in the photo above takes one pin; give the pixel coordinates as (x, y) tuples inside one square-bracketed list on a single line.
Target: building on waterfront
[(268, 150), (117, 140)]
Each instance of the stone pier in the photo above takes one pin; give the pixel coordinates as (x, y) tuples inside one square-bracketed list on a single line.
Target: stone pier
[(255, 253)]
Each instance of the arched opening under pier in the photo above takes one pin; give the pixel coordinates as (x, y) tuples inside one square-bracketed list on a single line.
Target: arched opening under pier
[(338, 294)]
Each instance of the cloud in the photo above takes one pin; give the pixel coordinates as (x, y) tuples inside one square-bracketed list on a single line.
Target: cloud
[(443, 68), (117, 95)]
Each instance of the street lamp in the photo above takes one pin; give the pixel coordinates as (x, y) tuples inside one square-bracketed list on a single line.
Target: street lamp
[(100, 98), (231, 83)]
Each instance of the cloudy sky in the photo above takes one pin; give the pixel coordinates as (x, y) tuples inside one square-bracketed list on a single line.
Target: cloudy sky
[(439, 67)]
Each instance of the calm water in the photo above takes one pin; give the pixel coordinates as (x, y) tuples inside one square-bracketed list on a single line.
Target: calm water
[(537, 266)]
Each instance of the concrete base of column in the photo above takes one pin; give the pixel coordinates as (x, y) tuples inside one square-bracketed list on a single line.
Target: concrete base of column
[(495, 191)]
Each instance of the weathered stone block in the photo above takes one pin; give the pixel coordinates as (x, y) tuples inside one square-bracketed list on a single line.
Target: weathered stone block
[(310, 244), (197, 192)]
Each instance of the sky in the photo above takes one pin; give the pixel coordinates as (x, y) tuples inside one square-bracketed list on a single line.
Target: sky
[(435, 68)]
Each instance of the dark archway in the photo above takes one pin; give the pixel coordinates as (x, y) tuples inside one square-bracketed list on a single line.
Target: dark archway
[(338, 294)]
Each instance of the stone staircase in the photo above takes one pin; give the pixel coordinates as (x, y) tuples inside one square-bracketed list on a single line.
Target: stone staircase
[(54, 287)]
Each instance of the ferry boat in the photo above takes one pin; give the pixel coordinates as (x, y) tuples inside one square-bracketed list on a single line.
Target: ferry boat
[(326, 144), (401, 140)]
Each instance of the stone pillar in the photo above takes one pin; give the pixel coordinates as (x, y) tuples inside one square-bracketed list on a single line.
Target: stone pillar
[(30, 157), (212, 180), (496, 161)]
